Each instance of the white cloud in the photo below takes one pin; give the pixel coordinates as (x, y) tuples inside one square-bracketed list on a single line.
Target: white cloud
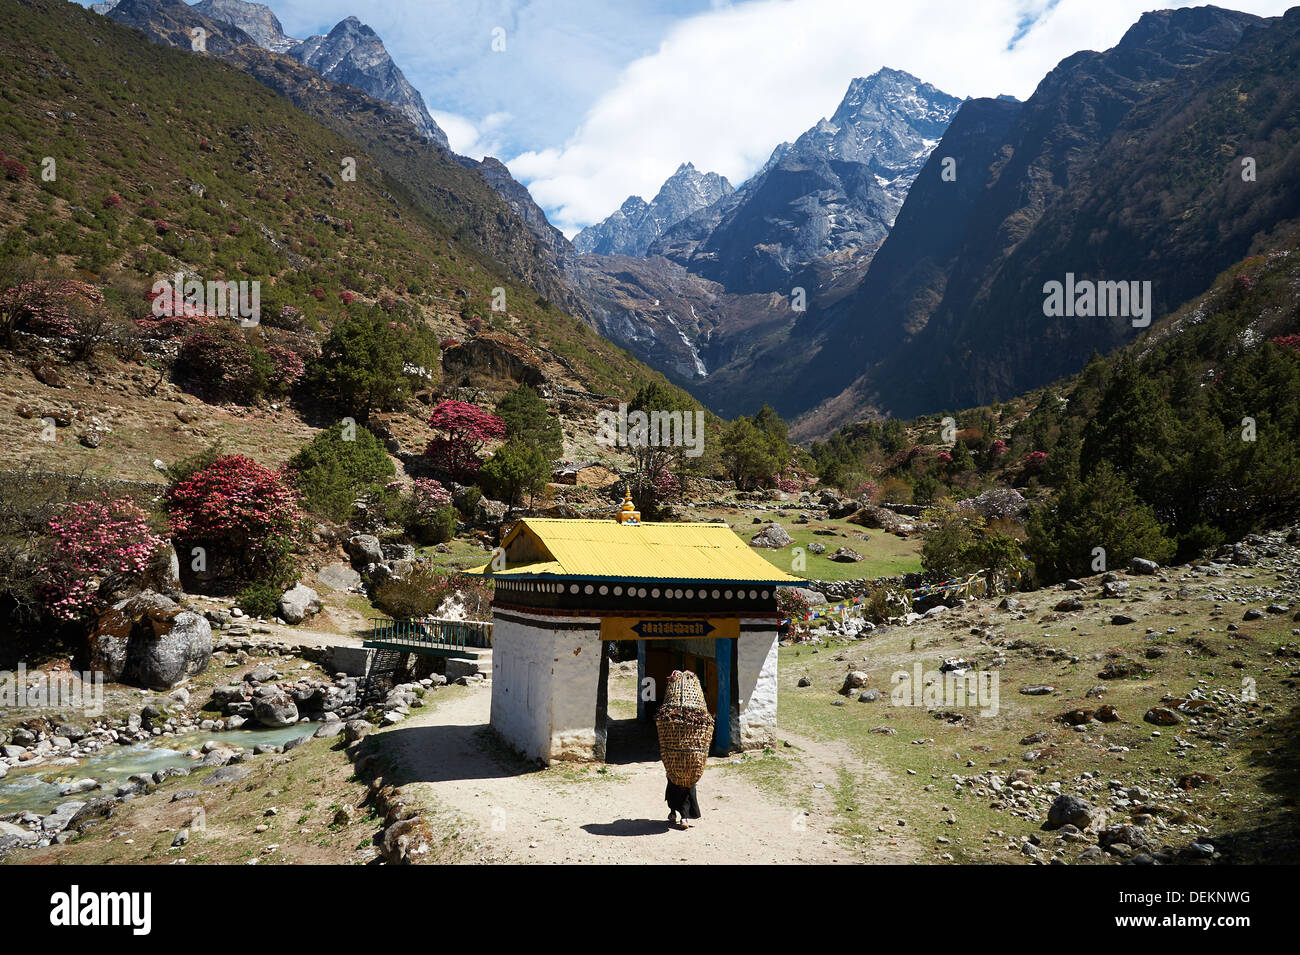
[(726, 86), (470, 138)]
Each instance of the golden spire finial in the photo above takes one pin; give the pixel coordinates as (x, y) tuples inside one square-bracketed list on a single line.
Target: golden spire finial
[(628, 512)]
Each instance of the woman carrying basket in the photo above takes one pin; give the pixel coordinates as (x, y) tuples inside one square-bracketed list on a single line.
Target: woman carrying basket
[(685, 730)]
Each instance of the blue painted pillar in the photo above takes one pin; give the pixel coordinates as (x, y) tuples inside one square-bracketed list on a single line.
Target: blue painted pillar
[(722, 724), (640, 679)]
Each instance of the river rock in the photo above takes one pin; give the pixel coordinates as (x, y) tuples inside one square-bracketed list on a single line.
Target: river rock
[(13, 835), (853, 680), (1162, 716), (338, 576), (274, 708), (357, 729), (328, 730), (226, 774)]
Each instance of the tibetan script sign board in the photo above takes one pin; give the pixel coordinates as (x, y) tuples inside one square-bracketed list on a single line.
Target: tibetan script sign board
[(669, 628)]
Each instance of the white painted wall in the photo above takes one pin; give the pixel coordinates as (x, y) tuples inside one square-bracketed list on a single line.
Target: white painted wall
[(756, 662), (544, 684), (575, 682), (522, 658)]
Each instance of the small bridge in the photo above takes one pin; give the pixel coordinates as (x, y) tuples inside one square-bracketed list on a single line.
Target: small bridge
[(431, 636), (394, 640)]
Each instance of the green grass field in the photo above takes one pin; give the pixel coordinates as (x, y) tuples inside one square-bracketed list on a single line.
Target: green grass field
[(884, 555)]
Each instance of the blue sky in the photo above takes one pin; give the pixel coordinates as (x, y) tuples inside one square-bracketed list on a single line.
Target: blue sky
[(595, 100)]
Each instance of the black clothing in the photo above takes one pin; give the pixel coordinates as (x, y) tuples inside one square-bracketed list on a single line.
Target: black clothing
[(682, 801)]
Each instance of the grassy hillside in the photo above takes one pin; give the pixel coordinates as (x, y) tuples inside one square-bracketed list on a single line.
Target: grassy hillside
[(165, 160)]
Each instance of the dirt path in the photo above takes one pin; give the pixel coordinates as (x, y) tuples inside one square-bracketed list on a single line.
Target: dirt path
[(572, 813)]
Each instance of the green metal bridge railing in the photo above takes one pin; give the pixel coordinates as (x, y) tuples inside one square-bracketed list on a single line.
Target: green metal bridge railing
[(431, 634)]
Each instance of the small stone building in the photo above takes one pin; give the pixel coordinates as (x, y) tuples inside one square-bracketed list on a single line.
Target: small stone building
[(690, 596)]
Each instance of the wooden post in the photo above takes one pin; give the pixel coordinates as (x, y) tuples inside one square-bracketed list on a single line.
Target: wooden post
[(722, 724), (640, 679)]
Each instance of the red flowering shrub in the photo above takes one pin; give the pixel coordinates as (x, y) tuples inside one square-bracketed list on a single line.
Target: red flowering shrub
[(162, 226), (112, 201), (1034, 460), (14, 169), (665, 486), (287, 368), (46, 307), (1287, 341), (223, 366), (464, 428), (346, 297), (998, 448), (788, 481), (92, 540), (792, 606), (239, 511)]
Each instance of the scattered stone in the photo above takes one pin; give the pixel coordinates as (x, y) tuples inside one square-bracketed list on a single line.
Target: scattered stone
[(1069, 810), (1162, 716)]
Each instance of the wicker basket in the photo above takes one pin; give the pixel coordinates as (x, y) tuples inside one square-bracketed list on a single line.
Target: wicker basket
[(685, 734), (684, 690)]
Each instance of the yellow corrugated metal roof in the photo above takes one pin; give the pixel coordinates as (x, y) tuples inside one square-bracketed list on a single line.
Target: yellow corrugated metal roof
[(605, 548)]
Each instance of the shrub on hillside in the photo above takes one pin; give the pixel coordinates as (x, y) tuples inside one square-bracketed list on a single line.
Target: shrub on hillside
[(336, 467), (371, 362), (42, 306), (958, 541), (517, 469), (433, 514), (1100, 512), (222, 364), (242, 514), (527, 418), (424, 591), (259, 599)]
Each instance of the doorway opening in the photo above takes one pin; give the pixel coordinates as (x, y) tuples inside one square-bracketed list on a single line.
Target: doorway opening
[(633, 675)]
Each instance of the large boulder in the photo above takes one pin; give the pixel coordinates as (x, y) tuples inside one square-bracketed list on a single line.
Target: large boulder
[(364, 549), (338, 576), (1069, 810), (275, 708), (488, 511), (150, 641), (298, 603), (877, 518), (774, 537), (813, 597)]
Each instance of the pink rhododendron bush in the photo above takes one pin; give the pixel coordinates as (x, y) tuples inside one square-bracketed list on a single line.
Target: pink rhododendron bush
[(242, 515), (91, 541), (463, 429)]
